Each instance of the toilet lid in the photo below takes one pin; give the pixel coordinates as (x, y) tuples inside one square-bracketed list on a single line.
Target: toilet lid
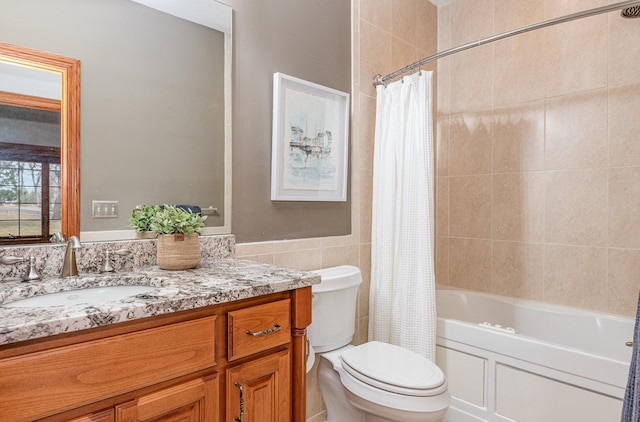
[(392, 368)]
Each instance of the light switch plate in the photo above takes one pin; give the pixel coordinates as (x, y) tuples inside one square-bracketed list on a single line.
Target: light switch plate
[(104, 209)]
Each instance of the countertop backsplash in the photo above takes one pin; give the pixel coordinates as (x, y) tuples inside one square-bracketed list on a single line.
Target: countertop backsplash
[(90, 257)]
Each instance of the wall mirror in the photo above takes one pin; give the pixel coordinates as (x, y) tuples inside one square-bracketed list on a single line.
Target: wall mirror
[(155, 109)]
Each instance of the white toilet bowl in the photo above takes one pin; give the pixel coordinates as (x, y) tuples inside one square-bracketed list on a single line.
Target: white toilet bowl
[(373, 382), (407, 388)]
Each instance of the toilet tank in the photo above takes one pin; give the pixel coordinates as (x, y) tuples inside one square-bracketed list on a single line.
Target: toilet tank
[(334, 307)]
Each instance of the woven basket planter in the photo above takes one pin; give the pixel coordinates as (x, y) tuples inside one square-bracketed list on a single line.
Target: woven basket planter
[(146, 235), (177, 251)]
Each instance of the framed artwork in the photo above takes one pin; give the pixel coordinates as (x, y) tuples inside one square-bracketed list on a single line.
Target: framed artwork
[(310, 141)]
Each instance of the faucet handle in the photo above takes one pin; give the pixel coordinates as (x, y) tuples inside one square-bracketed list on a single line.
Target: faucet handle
[(11, 260), (106, 264), (31, 274), (123, 252)]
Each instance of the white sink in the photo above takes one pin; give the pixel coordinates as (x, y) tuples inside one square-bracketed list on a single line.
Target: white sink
[(92, 296)]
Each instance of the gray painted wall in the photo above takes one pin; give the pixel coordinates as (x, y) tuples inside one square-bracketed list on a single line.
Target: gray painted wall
[(308, 39)]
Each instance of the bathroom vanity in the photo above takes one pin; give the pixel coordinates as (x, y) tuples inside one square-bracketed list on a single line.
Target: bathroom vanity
[(223, 342)]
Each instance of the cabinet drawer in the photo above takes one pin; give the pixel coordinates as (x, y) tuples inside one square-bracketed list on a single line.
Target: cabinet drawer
[(259, 328), (71, 376)]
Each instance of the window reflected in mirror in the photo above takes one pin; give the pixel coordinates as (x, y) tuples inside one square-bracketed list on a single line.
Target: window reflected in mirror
[(30, 183), (39, 145)]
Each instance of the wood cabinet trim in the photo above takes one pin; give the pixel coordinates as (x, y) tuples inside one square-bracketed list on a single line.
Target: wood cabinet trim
[(301, 307), (104, 416)]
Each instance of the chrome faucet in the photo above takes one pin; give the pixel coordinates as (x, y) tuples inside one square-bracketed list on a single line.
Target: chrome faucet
[(70, 266), (31, 274), (106, 264)]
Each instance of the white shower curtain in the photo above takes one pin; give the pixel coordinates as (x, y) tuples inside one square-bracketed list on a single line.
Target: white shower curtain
[(402, 306)]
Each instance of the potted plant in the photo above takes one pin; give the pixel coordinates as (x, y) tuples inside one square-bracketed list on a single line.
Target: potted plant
[(140, 220), (178, 229)]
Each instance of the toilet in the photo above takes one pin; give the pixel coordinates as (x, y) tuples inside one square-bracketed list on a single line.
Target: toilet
[(375, 381)]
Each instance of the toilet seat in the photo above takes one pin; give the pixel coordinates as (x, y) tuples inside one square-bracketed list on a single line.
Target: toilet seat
[(393, 369)]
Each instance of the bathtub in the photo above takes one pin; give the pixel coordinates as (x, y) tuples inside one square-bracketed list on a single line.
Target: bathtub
[(517, 360)]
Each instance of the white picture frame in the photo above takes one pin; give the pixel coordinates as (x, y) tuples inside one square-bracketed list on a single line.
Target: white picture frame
[(310, 141)]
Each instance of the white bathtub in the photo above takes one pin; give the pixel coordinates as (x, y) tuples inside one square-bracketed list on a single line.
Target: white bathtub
[(561, 364)]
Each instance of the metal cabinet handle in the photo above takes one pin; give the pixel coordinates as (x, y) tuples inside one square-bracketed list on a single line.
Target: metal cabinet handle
[(10, 260), (241, 418), (275, 328)]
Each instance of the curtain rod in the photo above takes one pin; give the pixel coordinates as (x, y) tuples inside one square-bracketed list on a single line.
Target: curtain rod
[(381, 80)]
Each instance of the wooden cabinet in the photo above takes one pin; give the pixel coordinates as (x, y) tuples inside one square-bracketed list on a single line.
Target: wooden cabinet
[(63, 376), (104, 416), (259, 328), (243, 359), (259, 390), (193, 401)]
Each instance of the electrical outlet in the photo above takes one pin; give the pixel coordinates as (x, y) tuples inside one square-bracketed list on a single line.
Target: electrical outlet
[(104, 209)]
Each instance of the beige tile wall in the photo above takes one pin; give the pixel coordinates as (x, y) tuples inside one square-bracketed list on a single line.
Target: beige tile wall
[(386, 35), (312, 254), (538, 158), (538, 163)]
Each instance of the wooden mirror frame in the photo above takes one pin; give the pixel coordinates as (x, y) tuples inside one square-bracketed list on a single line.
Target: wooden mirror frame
[(69, 70)]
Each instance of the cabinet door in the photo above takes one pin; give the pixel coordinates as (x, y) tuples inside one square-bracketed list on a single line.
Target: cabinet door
[(193, 401), (260, 390), (104, 416)]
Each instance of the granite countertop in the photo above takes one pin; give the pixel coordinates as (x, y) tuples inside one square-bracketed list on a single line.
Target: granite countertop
[(214, 281)]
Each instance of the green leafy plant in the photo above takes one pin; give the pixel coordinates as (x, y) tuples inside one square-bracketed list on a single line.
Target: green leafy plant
[(141, 217), (170, 219)]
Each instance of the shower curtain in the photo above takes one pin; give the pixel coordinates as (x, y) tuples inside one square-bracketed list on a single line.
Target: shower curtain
[(402, 307), (631, 403)]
